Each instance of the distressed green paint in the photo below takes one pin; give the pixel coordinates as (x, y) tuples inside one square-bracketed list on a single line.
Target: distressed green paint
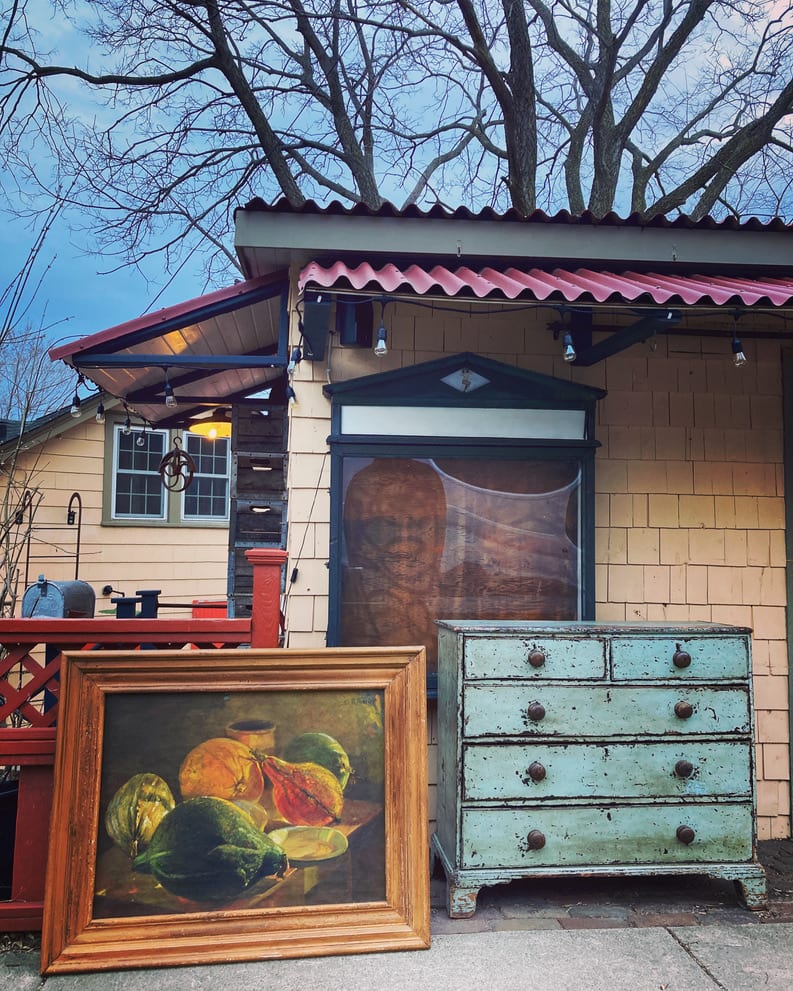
[(599, 711), (565, 657), (608, 770), (615, 835), (653, 657)]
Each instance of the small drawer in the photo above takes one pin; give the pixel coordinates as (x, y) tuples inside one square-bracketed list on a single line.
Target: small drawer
[(554, 658), (534, 771), (692, 659), (606, 834), (551, 710)]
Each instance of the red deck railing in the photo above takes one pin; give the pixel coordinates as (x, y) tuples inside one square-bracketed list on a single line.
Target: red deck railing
[(29, 688)]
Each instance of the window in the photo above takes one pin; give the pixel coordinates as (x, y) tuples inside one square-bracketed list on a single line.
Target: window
[(488, 535), (207, 497), (135, 491), (460, 489), (137, 488)]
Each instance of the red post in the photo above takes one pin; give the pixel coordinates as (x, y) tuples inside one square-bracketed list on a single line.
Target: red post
[(266, 612)]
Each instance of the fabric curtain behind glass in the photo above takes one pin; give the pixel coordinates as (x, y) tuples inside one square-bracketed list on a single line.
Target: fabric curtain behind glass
[(456, 538)]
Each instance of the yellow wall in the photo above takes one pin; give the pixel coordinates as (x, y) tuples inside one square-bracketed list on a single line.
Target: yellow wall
[(689, 494), (185, 562)]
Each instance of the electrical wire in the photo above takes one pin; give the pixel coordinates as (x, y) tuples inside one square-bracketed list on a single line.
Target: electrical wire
[(293, 577)]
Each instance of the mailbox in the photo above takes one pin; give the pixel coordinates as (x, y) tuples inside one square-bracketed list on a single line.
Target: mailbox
[(58, 600)]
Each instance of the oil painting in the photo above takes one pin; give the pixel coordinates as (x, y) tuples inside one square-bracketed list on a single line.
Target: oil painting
[(267, 795)]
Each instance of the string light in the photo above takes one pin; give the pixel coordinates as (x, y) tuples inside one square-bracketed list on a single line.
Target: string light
[(170, 398), (294, 360), (381, 341)]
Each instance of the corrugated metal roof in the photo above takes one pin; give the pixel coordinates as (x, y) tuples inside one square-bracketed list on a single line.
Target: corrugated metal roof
[(585, 219), (568, 284)]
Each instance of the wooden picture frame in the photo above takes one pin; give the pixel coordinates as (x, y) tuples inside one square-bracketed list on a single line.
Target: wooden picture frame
[(115, 898)]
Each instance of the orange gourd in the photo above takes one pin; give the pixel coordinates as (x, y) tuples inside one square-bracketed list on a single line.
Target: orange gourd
[(221, 768), (304, 794)]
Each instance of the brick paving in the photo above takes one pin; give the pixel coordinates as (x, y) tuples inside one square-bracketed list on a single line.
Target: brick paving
[(616, 903)]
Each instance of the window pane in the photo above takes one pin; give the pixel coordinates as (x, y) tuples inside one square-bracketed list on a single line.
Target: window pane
[(207, 496), (138, 489), (458, 538)]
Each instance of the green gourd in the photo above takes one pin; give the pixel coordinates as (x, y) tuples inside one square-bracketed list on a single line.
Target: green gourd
[(209, 849), (136, 810), (322, 749)]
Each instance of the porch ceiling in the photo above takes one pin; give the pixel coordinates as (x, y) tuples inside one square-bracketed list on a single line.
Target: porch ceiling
[(216, 349)]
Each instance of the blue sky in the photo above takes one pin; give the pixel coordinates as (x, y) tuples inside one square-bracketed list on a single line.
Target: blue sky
[(77, 298)]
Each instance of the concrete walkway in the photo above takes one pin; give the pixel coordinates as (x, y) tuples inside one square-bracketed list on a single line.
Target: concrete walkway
[(689, 958), (578, 934)]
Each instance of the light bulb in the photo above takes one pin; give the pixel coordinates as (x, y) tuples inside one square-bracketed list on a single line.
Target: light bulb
[(381, 347), (75, 410), (294, 360), (569, 351), (170, 398), (100, 412), (738, 357)]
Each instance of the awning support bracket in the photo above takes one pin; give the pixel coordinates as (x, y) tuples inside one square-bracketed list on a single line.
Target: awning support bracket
[(659, 322)]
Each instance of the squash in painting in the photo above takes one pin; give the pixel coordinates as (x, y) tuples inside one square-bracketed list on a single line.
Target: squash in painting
[(136, 810)]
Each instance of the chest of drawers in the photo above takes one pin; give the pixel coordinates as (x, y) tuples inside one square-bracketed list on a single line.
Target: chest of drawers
[(567, 748)]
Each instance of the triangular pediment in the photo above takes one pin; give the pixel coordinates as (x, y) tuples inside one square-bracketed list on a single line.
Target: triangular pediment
[(464, 379)]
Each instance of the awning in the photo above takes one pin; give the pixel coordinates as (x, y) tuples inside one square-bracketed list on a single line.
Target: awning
[(216, 349), (570, 285)]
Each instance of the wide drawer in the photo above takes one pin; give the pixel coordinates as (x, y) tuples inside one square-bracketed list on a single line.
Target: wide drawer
[(497, 709), (694, 658), (605, 834), (534, 657), (534, 771)]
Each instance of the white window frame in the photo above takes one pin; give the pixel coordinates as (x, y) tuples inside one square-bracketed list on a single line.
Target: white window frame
[(162, 517), (173, 511), (186, 440)]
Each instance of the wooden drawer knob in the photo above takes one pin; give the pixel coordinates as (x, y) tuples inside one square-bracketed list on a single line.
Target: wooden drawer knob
[(536, 711), (536, 771), (685, 834), (681, 658), (684, 710), (536, 658), (684, 769), (536, 839)]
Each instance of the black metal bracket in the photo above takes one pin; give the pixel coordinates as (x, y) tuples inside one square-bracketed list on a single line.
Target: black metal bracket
[(660, 322)]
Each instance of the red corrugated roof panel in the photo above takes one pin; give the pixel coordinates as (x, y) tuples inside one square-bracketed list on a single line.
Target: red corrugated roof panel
[(570, 284)]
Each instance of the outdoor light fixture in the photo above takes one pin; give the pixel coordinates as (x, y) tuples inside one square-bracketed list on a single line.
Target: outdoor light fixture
[(294, 360), (290, 395), (380, 345), (127, 426), (170, 398), (569, 351), (738, 357), (100, 412), (76, 405), (213, 427)]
